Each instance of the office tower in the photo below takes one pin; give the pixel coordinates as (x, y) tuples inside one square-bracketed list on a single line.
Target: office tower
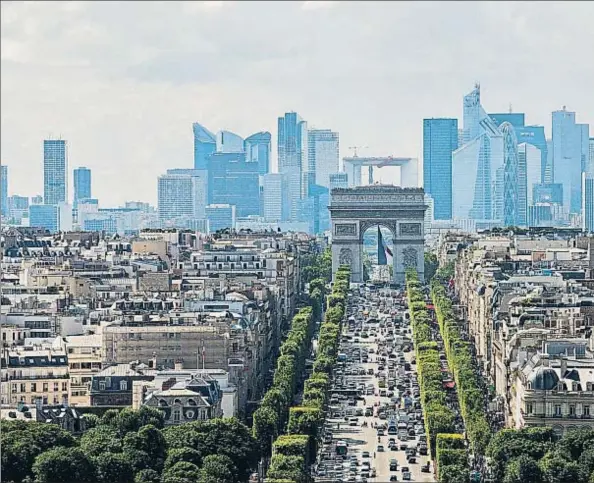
[(529, 175), (548, 193), (591, 153), (323, 157), (228, 142), (588, 202), (257, 150), (175, 197), (293, 159), (220, 217), (82, 184), (54, 218), (199, 188), (533, 135), (440, 140), (548, 172), (37, 200), (18, 207), (430, 211), (511, 176), (234, 181), (274, 193), (477, 166), (4, 190), (570, 152), (55, 171), (339, 180), (205, 144)]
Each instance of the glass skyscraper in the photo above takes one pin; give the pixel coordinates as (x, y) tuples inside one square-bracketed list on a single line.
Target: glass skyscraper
[(234, 181), (4, 190), (82, 184), (570, 155), (477, 166), (293, 159), (55, 171), (514, 177), (205, 143), (257, 149), (175, 197), (440, 140), (323, 155)]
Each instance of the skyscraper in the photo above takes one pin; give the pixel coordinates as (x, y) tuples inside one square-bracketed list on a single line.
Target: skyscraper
[(293, 159), (82, 184), (514, 178), (533, 135), (529, 175), (199, 188), (274, 192), (440, 140), (205, 144), (4, 190), (175, 197), (257, 149), (588, 202), (229, 142), (55, 171), (234, 181), (323, 155), (477, 166), (570, 154)]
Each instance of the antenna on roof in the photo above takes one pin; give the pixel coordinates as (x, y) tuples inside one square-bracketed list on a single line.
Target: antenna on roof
[(510, 108)]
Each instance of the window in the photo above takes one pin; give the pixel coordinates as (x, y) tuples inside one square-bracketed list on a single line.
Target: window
[(33, 387), (23, 388), (14, 388), (177, 415), (64, 386), (123, 385), (529, 386), (45, 388), (557, 410), (235, 346), (44, 399), (108, 382), (586, 410), (529, 409), (56, 386), (572, 409), (102, 385)]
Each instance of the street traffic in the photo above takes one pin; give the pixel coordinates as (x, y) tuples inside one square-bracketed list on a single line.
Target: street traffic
[(375, 430)]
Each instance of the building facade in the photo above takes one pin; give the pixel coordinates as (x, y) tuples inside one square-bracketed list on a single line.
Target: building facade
[(205, 143), (257, 149), (323, 155), (4, 190), (440, 140), (55, 171)]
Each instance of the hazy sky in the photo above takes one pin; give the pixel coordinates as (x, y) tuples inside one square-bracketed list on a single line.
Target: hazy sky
[(122, 82)]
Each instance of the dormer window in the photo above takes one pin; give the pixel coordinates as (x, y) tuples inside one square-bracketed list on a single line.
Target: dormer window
[(529, 385)]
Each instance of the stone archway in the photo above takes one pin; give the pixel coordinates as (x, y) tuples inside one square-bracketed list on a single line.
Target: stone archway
[(401, 210)]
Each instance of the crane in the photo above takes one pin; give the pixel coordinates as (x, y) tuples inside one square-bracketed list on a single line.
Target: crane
[(354, 148)]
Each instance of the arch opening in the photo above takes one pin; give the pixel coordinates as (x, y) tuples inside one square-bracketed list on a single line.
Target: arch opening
[(378, 253)]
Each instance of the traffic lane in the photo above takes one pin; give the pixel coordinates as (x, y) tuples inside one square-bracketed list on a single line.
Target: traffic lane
[(382, 459)]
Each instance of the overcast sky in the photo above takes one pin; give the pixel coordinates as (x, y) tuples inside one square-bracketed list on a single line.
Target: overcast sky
[(122, 82)]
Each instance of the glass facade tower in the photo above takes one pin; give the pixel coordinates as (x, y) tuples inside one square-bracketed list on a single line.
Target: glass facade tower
[(205, 143), (323, 155), (4, 190), (257, 149), (82, 184), (293, 159), (55, 171), (440, 140)]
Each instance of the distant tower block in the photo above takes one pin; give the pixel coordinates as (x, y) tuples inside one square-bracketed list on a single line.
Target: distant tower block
[(409, 169)]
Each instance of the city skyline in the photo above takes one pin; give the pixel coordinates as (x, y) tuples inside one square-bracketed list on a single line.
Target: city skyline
[(387, 100)]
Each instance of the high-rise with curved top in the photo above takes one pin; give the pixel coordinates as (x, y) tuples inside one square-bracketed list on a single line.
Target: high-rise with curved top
[(205, 143)]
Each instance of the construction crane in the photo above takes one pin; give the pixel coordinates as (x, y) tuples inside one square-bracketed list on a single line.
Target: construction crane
[(354, 148)]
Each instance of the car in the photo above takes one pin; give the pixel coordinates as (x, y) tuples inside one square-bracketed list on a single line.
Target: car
[(425, 468), (365, 454), (411, 459), (393, 478), (380, 448), (403, 446), (393, 465), (406, 476)]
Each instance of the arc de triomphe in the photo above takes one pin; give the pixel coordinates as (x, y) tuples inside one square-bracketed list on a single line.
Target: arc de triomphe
[(401, 210)]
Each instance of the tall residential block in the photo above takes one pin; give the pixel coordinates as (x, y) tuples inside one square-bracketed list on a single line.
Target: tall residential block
[(440, 140), (293, 159), (82, 184), (205, 143), (257, 150), (4, 190), (55, 171), (323, 155), (570, 155)]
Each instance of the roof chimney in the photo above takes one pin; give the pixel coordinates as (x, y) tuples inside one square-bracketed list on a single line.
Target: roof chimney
[(563, 366)]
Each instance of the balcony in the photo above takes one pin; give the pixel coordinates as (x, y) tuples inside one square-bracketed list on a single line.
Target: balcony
[(6, 378)]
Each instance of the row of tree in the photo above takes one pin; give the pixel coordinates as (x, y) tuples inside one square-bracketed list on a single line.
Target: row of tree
[(129, 446), (470, 394), (294, 452), (439, 418), (531, 455)]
